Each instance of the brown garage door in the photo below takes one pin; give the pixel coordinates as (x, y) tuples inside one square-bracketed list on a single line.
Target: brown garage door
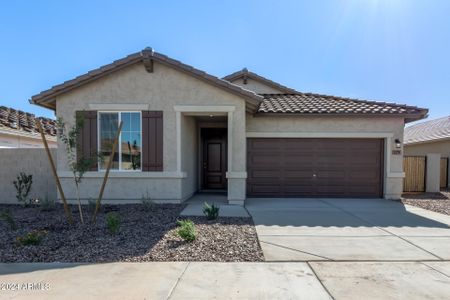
[(288, 167)]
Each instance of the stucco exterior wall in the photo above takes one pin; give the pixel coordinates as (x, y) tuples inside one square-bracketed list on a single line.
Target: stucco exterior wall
[(340, 127), (161, 90), (256, 86), (422, 149), (29, 161), (189, 146)]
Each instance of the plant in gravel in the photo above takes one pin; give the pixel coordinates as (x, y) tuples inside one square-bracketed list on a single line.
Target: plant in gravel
[(33, 237), (147, 202), (6, 216), (186, 230), (23, 185), (210, 211), (113, 222), (78, 164), (47, 204), (91, 205)]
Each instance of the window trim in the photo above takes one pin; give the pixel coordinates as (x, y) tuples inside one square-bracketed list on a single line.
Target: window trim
[(99, 169)]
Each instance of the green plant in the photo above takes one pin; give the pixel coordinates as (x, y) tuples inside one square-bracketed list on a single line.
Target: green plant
[(113, 222), (78, 165), (33, 237), (23, 185), (186, 230), (147, 202), (92, 204), (210, 211), (6, 216), (47, 204)]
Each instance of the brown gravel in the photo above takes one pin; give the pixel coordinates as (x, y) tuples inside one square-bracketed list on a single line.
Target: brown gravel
[(437, 202), (143, 236)]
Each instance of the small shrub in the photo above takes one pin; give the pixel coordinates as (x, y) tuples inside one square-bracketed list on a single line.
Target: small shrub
[(47, 204), (113, 222), (147, 202), (186, 230), (23, 185), (33, 237), (92, 204), (6, 216), (210, 211)]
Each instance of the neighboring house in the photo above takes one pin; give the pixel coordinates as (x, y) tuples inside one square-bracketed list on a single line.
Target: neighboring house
[(18, 130), (431, 139), (187, 131)]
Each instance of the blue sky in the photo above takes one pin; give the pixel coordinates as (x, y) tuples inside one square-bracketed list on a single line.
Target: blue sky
[(388, 50)]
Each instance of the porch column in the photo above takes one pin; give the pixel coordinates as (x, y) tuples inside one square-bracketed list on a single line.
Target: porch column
[(236, 174)]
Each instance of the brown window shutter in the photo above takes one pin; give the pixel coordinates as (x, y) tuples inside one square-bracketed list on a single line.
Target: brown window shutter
[(87, 139), (152, 141)]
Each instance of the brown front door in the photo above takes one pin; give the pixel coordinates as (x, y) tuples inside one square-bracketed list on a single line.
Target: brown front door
[(214, 158)]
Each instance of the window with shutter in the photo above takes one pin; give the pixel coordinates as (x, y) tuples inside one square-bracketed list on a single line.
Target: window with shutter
[(152, 141), (87, 139)]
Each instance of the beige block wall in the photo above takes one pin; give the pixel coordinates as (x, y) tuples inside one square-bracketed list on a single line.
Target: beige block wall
[(422, 149), (161, 90), (11, 140), (338, 126), (30, 161)]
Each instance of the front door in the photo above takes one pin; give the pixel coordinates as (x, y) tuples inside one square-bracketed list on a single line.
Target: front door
[(214, 158)]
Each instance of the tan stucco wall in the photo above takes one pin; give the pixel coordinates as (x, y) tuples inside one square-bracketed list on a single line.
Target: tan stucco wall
[(312, 126), (162, 90), (189, 155), (422, 149), (32, 162), (256, 86)]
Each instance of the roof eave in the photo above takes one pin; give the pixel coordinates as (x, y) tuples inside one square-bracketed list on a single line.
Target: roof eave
[(47, 98)]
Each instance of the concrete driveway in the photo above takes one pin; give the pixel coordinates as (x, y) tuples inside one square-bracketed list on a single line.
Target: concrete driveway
[(348, 230)]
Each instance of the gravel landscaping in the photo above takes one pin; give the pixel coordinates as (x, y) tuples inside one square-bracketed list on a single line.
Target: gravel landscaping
[(144, 235), (437, 202)]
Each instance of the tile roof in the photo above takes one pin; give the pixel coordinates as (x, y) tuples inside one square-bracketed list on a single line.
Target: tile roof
[(47, 98), (22, 122), (246, 73), (428, 131), (315, 104)]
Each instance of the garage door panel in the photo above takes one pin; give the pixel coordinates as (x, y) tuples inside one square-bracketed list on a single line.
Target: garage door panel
[(279, 167)]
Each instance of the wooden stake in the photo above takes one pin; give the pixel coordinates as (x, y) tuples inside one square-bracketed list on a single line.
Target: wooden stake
[(108, 167), (55, 174)]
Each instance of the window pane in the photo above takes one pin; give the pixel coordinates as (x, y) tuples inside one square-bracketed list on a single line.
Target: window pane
[(135, 122), (126, 119), (131, 151), (108, 129)]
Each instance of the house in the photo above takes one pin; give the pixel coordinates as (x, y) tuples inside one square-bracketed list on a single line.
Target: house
[(431, 139), (18, 130), (187, 131)]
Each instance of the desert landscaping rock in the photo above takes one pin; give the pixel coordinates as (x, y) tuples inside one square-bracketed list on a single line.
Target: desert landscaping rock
[(144, 235), (437, 202)]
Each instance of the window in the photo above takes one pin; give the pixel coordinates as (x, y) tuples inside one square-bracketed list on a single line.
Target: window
[(129, 149)]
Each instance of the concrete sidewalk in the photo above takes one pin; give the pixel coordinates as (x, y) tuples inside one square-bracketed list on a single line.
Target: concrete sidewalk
[(348, 230), (196, 280)]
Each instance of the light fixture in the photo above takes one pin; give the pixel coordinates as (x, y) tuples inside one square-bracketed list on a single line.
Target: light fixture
[(398, 144), (211, 116)]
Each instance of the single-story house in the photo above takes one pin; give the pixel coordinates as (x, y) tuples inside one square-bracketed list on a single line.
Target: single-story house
[(187, 131), (18, 129), (431, 139)]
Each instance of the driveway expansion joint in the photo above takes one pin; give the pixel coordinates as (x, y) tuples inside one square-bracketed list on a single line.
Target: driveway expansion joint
[(177, 282), (383, 229)]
